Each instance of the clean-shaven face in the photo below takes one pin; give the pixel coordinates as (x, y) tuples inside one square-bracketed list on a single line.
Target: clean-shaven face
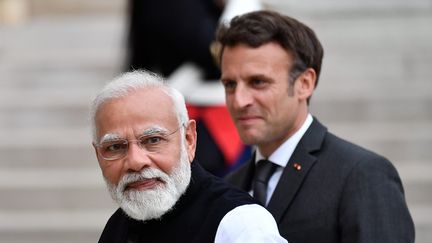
[(262, 104)]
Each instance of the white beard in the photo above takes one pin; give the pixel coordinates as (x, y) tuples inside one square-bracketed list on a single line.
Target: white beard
[(152, 203)]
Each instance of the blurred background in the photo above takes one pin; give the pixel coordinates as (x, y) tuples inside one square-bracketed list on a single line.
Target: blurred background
[(375, 90)]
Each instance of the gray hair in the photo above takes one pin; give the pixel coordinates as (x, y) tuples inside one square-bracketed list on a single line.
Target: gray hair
[(130, 82)]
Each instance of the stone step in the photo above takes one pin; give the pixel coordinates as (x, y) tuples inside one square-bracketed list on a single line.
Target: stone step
[(71, 32), (53, 188), (388, 76), (48, 236), (45, 137), (51, 178), (64, 7), (384, 131), (59, 117), (396, 141), (73, 198), (53, 220), (348, 7), (372, 111), (339, 33), (417, 181), (40, 157)]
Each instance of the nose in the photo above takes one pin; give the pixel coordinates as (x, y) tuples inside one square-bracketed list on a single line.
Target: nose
[(241, 97), (137, 158)]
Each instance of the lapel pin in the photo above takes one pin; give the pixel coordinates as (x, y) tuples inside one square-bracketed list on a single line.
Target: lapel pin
[(297, 166)]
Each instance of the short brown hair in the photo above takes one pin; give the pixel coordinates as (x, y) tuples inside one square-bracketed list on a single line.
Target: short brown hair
[(261, 27)]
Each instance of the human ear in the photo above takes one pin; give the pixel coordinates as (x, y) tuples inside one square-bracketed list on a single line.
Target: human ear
[(191, 139), (306, 84)]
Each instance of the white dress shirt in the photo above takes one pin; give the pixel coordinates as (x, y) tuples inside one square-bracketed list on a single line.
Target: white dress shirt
[(249, 223), (282, 155)]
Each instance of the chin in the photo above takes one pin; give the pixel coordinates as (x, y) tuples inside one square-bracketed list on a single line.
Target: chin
[(250, 139)]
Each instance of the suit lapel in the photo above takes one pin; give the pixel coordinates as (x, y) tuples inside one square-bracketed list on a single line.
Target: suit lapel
[(242, 178), (296, 170)]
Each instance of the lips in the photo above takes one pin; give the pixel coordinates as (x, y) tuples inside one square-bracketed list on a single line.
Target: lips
[(247, 120), (145, 184)]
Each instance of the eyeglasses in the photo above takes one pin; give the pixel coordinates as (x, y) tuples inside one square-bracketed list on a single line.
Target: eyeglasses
[(155, 142)]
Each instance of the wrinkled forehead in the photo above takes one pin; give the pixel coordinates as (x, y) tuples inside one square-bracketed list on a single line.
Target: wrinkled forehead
[(144, 110), (152, 100)]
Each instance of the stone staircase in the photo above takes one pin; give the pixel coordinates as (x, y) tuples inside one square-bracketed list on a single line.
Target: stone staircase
[(50, 67), (374, 90)]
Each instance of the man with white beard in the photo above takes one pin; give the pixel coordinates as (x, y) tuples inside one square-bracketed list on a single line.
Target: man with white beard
[(145, 145)]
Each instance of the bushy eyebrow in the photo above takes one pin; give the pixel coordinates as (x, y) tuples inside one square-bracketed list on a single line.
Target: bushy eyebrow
[(153, 130), (109, 137)]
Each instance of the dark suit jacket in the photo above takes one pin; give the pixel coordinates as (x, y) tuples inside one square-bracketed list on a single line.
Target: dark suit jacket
[(342, 193), (164, 34)]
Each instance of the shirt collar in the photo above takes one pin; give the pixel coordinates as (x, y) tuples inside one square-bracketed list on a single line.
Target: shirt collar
[(283, 153)]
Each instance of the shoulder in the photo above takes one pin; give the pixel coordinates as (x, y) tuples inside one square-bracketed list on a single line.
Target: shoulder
[(236, 177), (248, 223), (349, 165), (364, 173), (115, 228), (117, 218), (354, 154), (214, 192), (371, 193), (326, 146)]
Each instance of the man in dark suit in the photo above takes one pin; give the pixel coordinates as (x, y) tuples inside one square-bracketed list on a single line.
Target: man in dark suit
[(319, 188)]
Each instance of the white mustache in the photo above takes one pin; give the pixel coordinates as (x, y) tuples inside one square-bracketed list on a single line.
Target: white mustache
[(145, 174)]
